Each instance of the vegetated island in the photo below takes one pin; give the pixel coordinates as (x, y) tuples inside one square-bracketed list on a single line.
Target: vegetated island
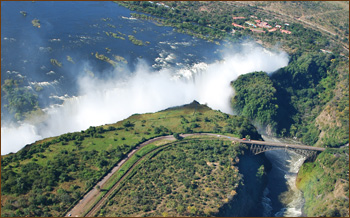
[(119, 60), (36, 23), (55, 62), (50, 176), (19, 101), (136, 41)]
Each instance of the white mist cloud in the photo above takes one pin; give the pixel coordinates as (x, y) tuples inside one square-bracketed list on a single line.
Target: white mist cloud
[(108, 101), (14, 138)]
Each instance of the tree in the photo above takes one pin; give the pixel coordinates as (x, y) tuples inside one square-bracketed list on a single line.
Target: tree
[(128, 124), (180, 209), (192, 210), (177, 136), (261, 171)]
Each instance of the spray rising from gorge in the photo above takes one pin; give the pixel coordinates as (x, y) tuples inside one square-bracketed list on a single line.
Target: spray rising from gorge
[(108, 100)]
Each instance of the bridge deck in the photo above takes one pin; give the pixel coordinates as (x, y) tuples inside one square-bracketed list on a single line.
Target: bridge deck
[(255, 142), (284, 145)]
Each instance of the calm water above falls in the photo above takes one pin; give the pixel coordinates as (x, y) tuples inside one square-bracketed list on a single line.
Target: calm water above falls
[(78, 30)]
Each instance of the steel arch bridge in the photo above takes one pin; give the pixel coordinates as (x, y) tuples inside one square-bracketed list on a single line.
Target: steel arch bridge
[(257, 147)]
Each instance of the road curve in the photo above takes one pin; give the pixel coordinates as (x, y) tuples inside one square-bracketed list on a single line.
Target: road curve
[(88, 200)]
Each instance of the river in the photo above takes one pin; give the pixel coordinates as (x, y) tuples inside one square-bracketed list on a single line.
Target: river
[(79, 30), (281, 196)]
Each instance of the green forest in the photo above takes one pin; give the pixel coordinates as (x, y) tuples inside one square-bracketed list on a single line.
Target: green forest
[(187, 179), (290, 101), (255, 98)]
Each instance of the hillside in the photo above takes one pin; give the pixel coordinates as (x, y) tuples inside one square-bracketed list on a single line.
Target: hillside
[(325, 184), (255, 98), (302, 100), (194, 178), (47, 177)]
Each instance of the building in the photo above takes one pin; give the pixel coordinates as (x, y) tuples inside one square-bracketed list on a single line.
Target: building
[(278, 26), (236, 18), (273, 29), (263, 24), (237, 25), (286, 31)]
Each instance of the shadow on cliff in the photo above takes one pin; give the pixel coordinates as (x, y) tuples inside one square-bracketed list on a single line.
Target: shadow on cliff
[(248, 201)]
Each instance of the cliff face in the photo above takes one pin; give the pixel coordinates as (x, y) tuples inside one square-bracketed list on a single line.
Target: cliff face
[(247, 202)]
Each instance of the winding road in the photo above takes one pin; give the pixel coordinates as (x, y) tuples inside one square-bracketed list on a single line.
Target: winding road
[(89, 199)]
